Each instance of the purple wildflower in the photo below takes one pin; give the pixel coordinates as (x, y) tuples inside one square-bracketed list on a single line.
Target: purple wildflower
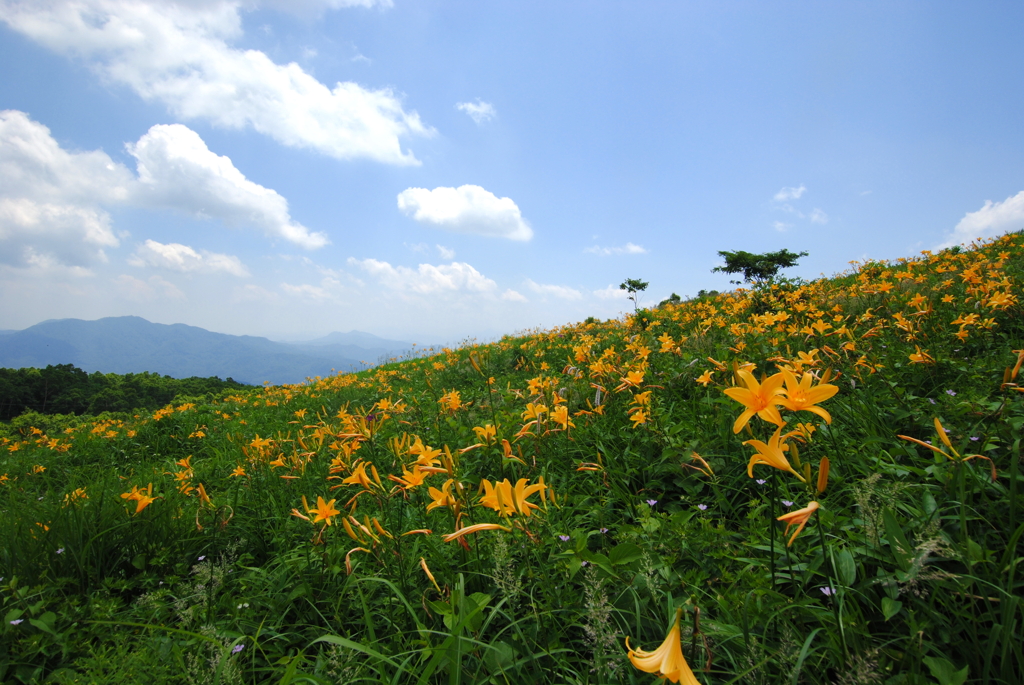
[(17, 621), (652, 502), (702, 507), (787, 503), (760, 481), (237, 648), (951, 393), (563, 538), (827, 591)]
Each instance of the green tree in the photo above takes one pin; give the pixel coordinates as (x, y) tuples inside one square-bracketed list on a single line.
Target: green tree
[(634, 286), (757, 268)]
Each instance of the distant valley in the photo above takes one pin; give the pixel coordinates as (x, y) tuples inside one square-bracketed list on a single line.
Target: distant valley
[(131, 344)]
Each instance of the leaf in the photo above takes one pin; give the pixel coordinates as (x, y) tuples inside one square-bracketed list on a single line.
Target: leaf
[(943, 671), (624, 553), (846, 569), (898, 542), (499, 656), (890, 607)]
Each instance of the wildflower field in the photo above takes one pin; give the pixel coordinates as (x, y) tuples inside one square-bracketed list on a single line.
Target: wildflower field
[(800, 482)]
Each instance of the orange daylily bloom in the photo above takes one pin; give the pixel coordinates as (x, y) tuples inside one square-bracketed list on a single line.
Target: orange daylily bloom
[(799, 519), (945, 440), (771, 454), (324, 511), (800, 396), (475, 528), (667, 660), (758, 398)]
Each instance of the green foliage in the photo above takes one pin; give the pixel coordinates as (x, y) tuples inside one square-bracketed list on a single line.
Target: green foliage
[(114, 568), (757, 268), (634, 287), (66, 389)]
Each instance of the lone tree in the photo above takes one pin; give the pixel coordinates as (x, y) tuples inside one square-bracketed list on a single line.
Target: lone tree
[(757, 268), (634, 286)]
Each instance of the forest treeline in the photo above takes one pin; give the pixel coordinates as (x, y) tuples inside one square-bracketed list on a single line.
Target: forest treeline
[(66, 389)]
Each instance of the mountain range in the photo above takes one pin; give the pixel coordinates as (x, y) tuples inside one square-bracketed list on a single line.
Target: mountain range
[(131, 344)]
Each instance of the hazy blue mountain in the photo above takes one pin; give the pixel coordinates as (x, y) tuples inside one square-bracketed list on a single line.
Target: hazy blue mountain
[(130, 344), (364, 347)]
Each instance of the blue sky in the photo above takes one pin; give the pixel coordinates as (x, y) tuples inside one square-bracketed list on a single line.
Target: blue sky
[(433, 171)]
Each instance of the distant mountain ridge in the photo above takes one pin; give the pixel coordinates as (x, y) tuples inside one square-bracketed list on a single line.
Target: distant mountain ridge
[(131, 344)]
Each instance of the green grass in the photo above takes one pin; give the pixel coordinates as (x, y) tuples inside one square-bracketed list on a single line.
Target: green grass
[(906, 574)]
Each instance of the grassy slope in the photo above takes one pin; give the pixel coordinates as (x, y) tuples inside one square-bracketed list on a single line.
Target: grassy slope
[(906, 574)]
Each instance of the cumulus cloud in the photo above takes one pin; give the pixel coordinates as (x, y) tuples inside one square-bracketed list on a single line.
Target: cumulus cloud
[(50, 198), (445, 252), (178, 257), (781, 226), (818, 217), (179, 54), (560, 291), (177, 171), (628, 248), (53, 202), (612, 292), (466, 209), (513, 296), (427, 278), (790, 193), (993, 219), (479, 111), (317, 7), (153, 288)]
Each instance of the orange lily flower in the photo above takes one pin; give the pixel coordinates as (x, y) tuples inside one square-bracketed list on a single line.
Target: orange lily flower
[(771, 454), (667, 660), (800, 396), (799, 519), (758, 398), (945, 440), (475, 528)]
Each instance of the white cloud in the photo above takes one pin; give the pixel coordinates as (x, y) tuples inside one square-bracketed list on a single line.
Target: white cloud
[(178, 257), (559, 291), (53, 202), (513, 296), (479, 111), (153, 288), (179, 54), (790, 193), (427, 278), (315, 7), (818, 217), (445, 252), (177, 171), (628, 248), (466, 209), (612, 292), (993, 219), (781, 226), (49, 197)]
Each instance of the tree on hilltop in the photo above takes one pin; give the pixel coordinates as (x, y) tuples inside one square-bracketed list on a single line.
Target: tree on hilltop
[(757, 268)]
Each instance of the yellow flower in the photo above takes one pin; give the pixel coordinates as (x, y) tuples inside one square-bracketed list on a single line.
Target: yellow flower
[(920, 357), (324, 511), (667, 660), (442, 497), (945, 440), (705, 378), (770, 454), (799, 519), (758, 398), (475, 528), (485, 434), (800, 396)]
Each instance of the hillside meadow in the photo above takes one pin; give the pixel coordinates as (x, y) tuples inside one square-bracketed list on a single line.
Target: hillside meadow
[(800, 482)]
